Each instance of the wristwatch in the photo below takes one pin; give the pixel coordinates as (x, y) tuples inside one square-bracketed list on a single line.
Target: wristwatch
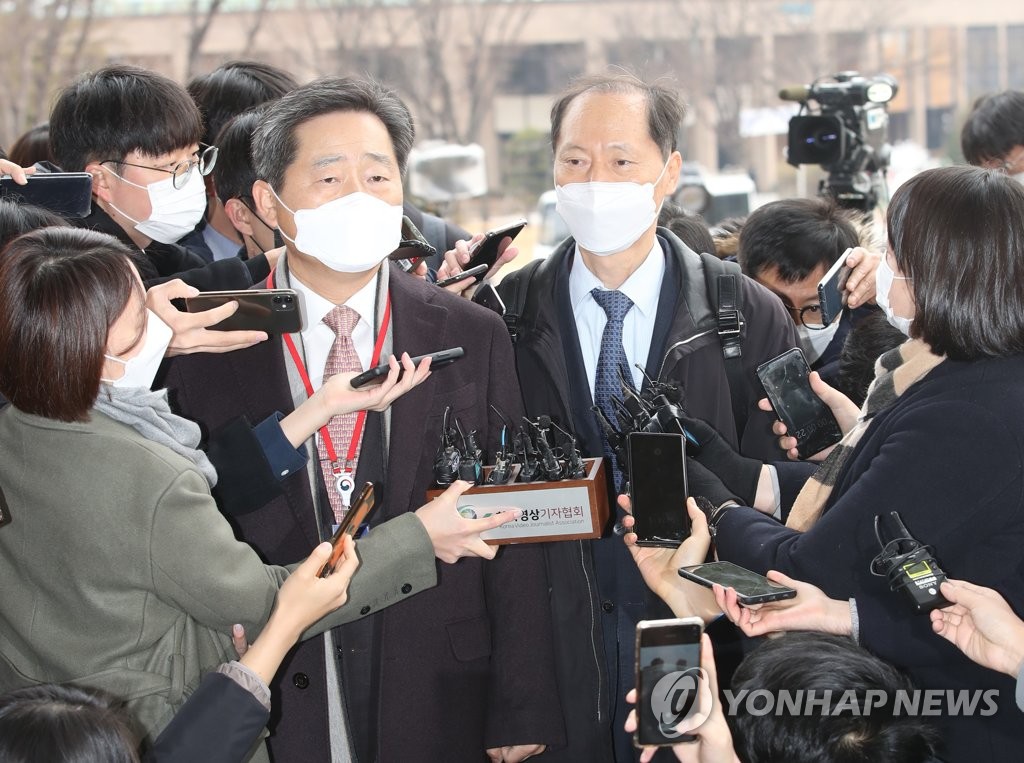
[(716, 514)]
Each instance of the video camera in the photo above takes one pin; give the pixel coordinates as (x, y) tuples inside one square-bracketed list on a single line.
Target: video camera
[(848, 136)]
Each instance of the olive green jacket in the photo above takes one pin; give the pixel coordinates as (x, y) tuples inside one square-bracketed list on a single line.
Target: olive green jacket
[(118, 572)]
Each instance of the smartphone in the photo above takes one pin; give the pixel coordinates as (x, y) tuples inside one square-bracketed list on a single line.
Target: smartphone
[(68, 194), (830, 289), (486, 252), (353, 518), (276, 311), (473, 272), (413, 248), (438, 360), (751, 588), (487, 296), (668, 676), (806, 417), (658, 489)]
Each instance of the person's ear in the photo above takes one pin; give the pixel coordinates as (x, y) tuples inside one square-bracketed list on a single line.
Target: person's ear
[(100, 181), (673, 167), (240, 216), (266, 203)]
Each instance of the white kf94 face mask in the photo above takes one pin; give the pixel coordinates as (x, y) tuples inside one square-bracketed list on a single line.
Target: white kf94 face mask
[(607, 218), (140, 370), (884, 278), (350, 234), (174, 212)]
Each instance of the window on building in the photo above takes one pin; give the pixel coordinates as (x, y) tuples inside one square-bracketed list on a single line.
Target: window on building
[(982, 61)]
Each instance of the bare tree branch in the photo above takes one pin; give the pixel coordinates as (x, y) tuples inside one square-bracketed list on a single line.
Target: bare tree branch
[(199, 30)]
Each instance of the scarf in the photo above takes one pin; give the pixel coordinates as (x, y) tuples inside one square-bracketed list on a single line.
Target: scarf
[(149, 414), (895, 372)]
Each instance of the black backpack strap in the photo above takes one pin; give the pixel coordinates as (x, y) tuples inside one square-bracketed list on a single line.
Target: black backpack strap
[(516, 304), (722, 280)]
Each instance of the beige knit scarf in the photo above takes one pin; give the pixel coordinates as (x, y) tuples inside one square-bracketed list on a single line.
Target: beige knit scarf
[(895, 371)]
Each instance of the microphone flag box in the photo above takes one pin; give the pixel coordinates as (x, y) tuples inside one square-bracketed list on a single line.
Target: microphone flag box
[(552, 511)]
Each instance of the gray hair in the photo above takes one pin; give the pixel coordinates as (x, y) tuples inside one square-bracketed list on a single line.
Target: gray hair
[(273, 143), (665, 112)]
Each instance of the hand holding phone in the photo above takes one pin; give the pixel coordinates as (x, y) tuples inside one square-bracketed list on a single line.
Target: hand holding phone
[(750, 587), (486, 251), (275, 311), (668, 679), (658, 488), (805, 415), (437, 360), (473, 272), (830, 289), (353, 518)]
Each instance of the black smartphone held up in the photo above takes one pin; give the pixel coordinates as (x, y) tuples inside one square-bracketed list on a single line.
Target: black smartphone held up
[(473, 272), (68, 194), (658, 489), (438, 360), (486, 252), (668, 676), (276, 311), (353, 518), (751, 588), (487, 296), (830, 289), (806, 417)]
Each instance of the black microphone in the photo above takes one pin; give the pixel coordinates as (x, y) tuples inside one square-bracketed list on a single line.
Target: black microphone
[(797, 93)]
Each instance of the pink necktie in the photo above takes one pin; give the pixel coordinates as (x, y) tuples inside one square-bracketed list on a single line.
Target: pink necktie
[(342, 357)]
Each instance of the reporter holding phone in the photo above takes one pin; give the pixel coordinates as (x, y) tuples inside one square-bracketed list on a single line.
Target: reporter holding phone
[(938, 440), (119, 571)]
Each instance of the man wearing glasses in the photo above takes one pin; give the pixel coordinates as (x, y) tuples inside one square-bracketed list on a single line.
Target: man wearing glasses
[(788, 246), (137, 133)]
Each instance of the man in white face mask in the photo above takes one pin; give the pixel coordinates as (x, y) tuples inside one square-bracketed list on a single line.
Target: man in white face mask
[(622, 293), (137, 133), (788, 246), (329, 159)]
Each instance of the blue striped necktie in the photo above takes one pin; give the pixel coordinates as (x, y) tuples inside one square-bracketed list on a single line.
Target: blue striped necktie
[(612, 358)]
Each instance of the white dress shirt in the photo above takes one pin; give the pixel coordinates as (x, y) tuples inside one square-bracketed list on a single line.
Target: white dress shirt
[(643, 287), (318, 337)]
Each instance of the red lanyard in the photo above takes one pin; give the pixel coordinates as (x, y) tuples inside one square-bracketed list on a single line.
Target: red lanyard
[(357, 431)]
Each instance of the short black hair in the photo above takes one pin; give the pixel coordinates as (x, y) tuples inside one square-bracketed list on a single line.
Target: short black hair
[(273, 144), (64, 724), (62, 289), (867, 340), (235, 87), (796, 236), (17, 218), (994, 126), (831, 666), (665, 111), (118, 109), (958, 234), (691, 229), (234, 174)]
